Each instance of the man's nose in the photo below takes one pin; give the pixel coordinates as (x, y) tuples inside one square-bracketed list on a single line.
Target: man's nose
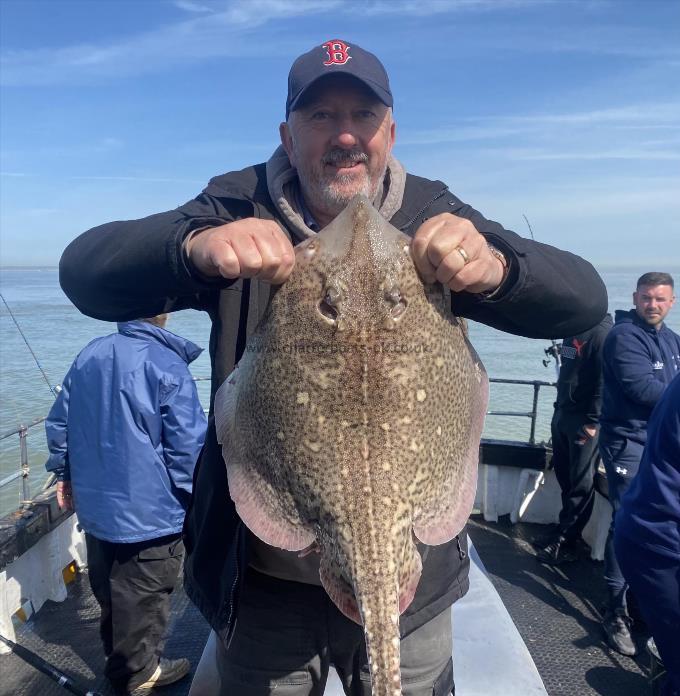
[(345, 135)]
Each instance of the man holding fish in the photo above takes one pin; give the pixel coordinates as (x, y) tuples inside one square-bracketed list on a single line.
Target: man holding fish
[(300, 573)]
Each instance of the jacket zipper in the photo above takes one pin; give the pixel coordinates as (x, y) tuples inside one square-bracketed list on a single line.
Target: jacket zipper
[(461, 554), (423, 209), (232, 629)]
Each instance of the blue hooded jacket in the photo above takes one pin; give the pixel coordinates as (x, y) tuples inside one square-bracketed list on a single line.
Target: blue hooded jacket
[(638, 363), (650, 509), (126, 430)]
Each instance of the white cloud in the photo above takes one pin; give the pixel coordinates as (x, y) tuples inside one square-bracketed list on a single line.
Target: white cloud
[(632, 43), (95, 177), (666, 113), (219, 33), (529, 154), (464, 133), (426, 8), (599, 134), (192, 6), (214, 30), (144, 179), (102, 146)]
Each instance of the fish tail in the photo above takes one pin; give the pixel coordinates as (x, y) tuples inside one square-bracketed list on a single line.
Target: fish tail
[(380, 614)]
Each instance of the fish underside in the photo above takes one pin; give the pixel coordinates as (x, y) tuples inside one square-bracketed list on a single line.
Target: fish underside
[(352, 423)]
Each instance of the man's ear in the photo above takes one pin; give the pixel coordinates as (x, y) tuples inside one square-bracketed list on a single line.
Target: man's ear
[(286, 141)]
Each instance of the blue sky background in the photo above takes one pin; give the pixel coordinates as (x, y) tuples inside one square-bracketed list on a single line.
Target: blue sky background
[(566, 112)]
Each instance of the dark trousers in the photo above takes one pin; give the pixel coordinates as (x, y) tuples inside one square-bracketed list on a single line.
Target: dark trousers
[(132, 584), (655, 582), (288, 633), (574, 458), (621, 458)]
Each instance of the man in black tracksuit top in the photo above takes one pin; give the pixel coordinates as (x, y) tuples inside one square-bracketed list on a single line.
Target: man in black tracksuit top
[(223, 252), (575, 435)]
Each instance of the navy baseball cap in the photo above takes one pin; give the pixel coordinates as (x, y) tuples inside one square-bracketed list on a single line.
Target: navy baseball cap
[(331, 57)]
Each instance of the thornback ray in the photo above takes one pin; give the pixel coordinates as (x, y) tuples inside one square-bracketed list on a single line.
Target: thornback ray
[(352, 423)]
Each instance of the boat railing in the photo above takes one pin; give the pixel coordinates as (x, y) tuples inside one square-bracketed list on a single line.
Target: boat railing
[(23, 429), (24, 471), (24, 468), (533, 414)]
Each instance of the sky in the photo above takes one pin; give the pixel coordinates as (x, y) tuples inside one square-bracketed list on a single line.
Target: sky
[(566, 112)]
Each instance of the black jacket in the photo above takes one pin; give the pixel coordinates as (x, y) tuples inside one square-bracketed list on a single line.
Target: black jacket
[(124, 270), (579, 386)]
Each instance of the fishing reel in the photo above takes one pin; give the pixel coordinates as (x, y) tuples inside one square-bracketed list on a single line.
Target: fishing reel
[(553, 352)]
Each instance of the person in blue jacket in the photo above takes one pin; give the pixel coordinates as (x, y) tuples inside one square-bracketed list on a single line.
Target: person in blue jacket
[(124, 436), (641, 356), (647, 538)]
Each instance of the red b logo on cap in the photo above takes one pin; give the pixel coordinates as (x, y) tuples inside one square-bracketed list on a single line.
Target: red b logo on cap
[(338, 52)]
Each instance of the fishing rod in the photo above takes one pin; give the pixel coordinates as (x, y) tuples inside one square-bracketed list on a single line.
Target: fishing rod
[(28, 345), (46, 668), (553, 351)]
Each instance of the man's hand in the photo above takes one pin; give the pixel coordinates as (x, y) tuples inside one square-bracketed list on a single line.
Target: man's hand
[(448, 249), (248, 248), (586, 433), (590, 430), (64, 495)]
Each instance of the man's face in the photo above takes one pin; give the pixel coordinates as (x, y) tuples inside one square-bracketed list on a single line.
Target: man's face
[(653, 302), (339, 141)]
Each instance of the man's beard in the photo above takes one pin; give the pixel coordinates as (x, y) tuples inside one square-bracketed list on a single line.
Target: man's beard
[(332, 194), (653, 319)]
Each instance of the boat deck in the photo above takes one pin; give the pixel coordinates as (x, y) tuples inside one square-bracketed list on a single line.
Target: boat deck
[(557, 612), (555, 609)]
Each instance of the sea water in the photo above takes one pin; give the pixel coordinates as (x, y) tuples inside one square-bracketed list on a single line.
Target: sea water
[(56, 331)]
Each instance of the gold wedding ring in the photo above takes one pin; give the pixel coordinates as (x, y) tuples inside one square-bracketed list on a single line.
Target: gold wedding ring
[(463, 255)]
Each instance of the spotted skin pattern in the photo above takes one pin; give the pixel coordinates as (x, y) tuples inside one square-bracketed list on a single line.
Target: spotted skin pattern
[(353, 421)]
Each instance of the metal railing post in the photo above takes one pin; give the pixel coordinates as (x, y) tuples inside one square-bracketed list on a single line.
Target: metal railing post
[(534, 415), (25, 469)]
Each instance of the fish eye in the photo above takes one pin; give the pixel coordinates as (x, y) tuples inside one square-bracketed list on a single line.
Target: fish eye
[(394, 298), (328, 305), (328, 310)]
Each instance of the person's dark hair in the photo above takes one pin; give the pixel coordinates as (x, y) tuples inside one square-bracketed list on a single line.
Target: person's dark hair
[(655, 278)]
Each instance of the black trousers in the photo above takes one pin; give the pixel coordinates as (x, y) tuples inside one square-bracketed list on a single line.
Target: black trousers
[(574, 459), (289, 633), (132, 584)]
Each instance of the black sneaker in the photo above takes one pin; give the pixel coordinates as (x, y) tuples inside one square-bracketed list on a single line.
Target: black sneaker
[(557, 552), (616, 626)]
